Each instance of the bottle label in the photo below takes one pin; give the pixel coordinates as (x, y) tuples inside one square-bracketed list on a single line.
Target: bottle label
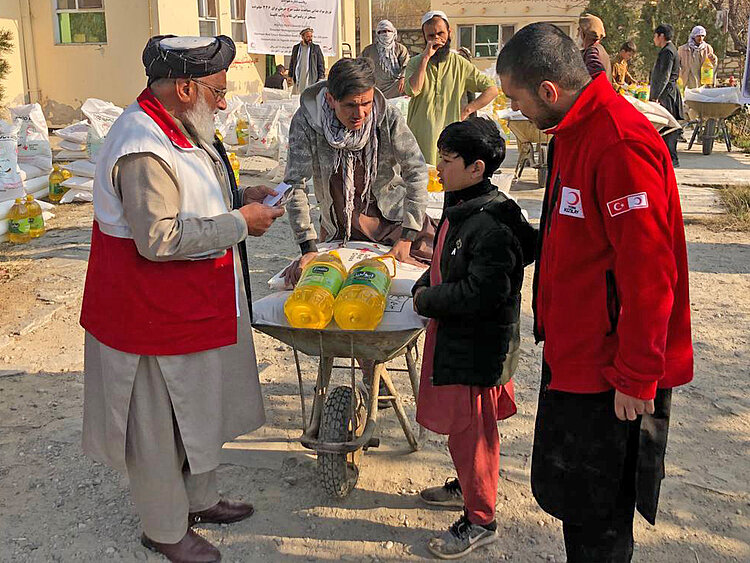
[(322, 275), (370, 276), (36, 223), (55, 188), (18, 226)]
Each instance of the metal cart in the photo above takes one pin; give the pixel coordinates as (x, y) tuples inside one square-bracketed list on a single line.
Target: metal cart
[(343, 419), (711, 123), (532, 150)]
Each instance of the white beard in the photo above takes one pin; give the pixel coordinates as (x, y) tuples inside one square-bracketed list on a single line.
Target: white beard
[(200, 119)]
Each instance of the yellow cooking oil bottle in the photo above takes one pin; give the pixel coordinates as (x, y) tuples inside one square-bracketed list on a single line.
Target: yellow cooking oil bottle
[(56, 190), (707, 73), (18, 222), (36, 220), (235, 162), (241, 131), (361, 302), (433, 182), (311, 303), (67, 174)]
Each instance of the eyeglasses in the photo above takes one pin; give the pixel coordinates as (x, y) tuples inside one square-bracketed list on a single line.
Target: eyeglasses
[(219, 93)]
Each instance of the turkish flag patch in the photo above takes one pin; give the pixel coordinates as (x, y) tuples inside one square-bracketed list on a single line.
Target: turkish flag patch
[(627, 203)]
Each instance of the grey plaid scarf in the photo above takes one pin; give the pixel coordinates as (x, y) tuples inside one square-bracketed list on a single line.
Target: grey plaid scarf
[(351, 147)]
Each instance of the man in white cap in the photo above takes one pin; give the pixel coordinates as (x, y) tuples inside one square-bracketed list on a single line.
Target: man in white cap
[(692, 56), (169, 361), (306, 65), (389, 58), (436, 81)]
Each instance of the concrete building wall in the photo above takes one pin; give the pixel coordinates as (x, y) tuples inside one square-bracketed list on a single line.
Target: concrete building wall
[(516, 13), (68, 74), (14, 83)]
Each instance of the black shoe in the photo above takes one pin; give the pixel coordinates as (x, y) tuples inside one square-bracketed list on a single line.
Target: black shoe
[(448, 495)]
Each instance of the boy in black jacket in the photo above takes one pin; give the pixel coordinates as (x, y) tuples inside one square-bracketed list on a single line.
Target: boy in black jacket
[(472, 295)]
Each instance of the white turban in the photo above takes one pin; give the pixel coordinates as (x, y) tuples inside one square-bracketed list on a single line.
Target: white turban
[(698, 30)]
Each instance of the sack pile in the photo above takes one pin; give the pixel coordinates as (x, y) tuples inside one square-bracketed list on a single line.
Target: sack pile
[(80, 146), (25, 153), (263, 121)]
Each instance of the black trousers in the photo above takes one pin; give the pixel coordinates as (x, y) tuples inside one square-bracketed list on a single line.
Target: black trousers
[(670, 139), (591, 470)]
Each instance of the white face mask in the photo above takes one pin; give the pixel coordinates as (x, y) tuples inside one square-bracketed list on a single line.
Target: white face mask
[(579, 42)]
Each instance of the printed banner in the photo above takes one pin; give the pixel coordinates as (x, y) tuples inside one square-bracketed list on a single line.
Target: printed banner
[(273, 26)]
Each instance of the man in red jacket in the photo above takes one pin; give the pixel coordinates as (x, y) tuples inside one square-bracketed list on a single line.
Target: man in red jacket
[(610, 298)]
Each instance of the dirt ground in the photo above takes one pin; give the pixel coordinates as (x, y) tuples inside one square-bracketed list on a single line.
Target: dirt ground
[(56, 505)]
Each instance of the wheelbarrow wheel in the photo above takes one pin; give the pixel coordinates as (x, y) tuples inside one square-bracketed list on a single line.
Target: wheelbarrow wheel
[(709, 134), (339, 472)]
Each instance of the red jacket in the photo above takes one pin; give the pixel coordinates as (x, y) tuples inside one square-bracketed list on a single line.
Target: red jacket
[(611, 282)]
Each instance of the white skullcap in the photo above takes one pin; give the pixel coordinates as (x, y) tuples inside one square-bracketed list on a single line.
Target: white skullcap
[(434, 14)]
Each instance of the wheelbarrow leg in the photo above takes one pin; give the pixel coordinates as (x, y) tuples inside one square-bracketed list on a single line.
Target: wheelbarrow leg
[(727, 138), (411, 365), (325, 367), (696, 129), (399, 408)]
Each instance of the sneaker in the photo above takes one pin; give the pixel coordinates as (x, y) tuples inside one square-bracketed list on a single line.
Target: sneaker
[(462, 538), (449, 495)]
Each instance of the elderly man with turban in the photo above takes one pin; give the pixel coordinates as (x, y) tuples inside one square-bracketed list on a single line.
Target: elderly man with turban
[(590, 34), (390, 58), (692, 56), (170, 370)]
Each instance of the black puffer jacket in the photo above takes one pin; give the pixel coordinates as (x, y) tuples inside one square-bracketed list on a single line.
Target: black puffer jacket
[(478, 303)]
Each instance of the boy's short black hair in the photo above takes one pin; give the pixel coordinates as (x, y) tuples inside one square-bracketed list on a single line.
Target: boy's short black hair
[(629, 47), (477, 138), (350, 77), (666, 30), (539, 52)]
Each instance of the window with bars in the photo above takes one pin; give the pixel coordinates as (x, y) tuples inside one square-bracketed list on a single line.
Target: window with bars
[(207, 17), (80, 21), (484, 40), (239, 31)]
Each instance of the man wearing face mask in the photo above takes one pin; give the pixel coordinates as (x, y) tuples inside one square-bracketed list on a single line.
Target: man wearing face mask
[(169, 361), (307, 65), (611, 299), (389, 58), (436, 81)]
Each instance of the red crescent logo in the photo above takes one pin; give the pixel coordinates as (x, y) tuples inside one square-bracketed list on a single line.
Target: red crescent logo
[(573, 198)]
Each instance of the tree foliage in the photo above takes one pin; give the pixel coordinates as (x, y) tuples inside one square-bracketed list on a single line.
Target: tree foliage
[(637, 21), (6, 46)]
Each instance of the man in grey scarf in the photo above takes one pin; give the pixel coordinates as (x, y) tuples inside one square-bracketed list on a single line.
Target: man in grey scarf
[(369, 175), (390, 58)]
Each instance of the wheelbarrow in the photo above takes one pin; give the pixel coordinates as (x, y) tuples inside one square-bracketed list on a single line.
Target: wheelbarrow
[(711, 123), (342, 421), (532, 144)]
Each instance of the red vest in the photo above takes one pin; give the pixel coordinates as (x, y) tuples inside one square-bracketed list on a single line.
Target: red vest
[(143, 307)]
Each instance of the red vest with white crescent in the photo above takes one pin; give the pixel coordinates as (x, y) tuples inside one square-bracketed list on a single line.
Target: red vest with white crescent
[(139, 306)]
